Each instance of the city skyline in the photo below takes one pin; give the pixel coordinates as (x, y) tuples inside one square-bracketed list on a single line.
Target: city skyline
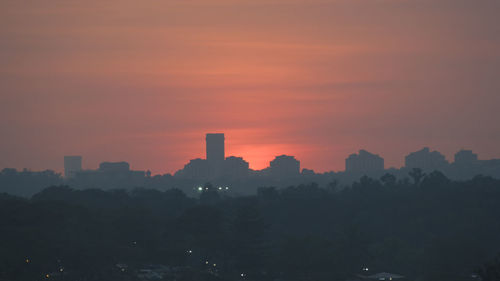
[(233, 174), (95, 163), (365, 161)]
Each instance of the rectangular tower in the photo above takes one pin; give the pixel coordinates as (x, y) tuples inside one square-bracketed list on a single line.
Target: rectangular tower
[(215, 148), (72, 165)]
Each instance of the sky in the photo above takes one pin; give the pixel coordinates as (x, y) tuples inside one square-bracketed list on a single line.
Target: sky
[(143, 81)]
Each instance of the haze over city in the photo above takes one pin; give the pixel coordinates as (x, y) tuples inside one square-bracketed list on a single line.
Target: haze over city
[(142, 81), (250, 140)]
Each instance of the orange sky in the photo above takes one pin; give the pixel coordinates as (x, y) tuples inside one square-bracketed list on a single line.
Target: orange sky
[(143, 81)]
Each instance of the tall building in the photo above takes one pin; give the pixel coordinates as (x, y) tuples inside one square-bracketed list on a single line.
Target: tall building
[(216, 166), (284, 166), (110, 175), (72, 165), (465, 157), (466, 165), (426, 160), (195, 169), (364, 162), (235, 167), (215, 148)]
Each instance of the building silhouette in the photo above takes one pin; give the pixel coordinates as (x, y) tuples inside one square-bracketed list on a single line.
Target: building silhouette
[(284, 166), (235, 168), (215, 148), (364, 162), (215, 154), (426, 160), (216, 166), (114, 167), (109, 175), (195, 169), (72, 165), (465, 157), (466, 165)]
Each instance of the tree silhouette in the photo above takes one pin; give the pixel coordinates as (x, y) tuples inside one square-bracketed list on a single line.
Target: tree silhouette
[(388, 179), (491, 270), (417, 175), (209, 195)]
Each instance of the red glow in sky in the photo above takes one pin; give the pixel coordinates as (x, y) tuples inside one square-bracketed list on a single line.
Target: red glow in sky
[(143, 81)]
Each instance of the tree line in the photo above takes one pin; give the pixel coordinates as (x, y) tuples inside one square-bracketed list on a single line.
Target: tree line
[(425, 227)]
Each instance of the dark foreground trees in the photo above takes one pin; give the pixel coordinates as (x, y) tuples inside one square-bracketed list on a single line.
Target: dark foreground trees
[(490, 271), (430, 228)]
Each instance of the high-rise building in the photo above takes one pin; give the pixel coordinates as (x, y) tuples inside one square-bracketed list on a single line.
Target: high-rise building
[(235, 167), (215, 154), (195, 169), (215, 148), (466, 165), (284, 166), (72, 165), (465, 157), (426, 160), (364, 162)]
